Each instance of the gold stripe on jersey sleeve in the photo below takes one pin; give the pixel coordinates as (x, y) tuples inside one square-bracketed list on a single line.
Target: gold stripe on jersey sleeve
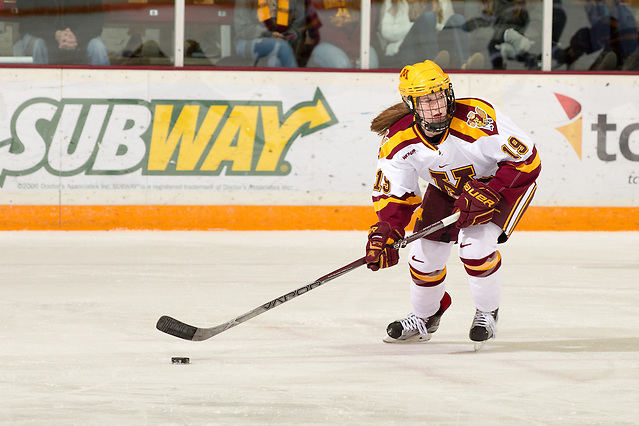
[(473, 102), (392, 142), (472, 132), (383, 203), (527, 168)]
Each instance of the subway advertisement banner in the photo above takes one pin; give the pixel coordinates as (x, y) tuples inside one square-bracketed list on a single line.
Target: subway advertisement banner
[(138, 149)]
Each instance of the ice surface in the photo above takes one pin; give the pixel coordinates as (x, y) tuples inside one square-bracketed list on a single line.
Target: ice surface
[(78, 343)]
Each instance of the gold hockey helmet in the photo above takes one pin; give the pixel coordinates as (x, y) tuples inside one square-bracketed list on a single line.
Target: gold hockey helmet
[(422, 79)]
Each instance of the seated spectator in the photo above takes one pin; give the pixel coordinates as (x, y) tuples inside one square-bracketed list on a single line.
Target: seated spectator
[(516, 46), (311, 37), (509, 20), (613, 30), (412, 29), (63, 31), (270, 29), (559, 19), (339, 35)]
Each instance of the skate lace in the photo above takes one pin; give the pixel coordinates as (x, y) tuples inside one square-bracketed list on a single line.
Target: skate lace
[(413, 322), (485, 319)]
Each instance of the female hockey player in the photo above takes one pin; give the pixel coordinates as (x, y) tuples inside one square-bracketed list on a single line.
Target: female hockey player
[(475, 161)]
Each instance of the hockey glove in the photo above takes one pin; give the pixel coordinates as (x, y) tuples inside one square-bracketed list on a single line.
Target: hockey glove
[(379, 254), (476, 204)]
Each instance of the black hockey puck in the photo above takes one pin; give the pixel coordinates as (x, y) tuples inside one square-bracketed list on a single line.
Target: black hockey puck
[(180, 360)]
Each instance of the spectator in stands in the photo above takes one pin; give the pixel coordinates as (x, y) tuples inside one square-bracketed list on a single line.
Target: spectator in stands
[(340, 35), (63, 31), (559, 19), (516, 46), (613, 30), (425, 29), (509, 20), (311, 37), (270, 29)]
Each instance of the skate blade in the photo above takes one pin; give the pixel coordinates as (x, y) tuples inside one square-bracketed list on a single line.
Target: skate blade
[(411, 340), (479, 345)]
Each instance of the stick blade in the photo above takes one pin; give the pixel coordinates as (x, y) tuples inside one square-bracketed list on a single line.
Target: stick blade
[(176, 328)]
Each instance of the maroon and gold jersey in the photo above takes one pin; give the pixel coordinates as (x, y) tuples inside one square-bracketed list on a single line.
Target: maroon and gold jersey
[(481, 143)]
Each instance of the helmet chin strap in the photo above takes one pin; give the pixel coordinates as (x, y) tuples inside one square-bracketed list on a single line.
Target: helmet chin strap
[(430, 127), (426, 126)]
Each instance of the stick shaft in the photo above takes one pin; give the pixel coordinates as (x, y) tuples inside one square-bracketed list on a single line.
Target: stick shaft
[(427, 231), (182, 330)]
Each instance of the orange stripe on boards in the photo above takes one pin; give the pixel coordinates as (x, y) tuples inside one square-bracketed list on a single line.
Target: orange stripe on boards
[(16, 218), (269, 218), (175, 218), (580, 219)]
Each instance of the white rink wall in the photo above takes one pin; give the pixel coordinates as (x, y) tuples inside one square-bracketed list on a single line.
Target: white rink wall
[(163, 137)]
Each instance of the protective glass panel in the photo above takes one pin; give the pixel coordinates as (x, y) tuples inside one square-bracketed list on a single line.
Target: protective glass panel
[(466, 35), (595, 35), (208, 37), (336, 24), (139, 32)]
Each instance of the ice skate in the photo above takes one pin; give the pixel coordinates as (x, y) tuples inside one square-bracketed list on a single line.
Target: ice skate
[(484, 327), (414, 329)]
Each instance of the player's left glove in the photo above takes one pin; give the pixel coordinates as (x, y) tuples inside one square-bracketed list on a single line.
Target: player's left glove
[(476, 204), (378, 253)]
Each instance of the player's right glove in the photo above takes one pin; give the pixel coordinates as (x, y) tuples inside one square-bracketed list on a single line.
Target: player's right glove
[(476, 204), (379, 254)]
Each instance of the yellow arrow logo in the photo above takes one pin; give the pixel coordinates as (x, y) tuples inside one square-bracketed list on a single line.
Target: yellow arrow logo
[(246, 138)]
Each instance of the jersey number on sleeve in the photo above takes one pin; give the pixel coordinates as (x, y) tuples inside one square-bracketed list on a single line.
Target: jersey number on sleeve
[(516, 145), (381, 183)]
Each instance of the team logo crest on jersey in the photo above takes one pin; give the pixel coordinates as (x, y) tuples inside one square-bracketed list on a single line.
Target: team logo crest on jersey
[(480, 120)]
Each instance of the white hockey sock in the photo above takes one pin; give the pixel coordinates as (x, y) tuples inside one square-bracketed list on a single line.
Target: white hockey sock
[(425, 300), (486, 291)]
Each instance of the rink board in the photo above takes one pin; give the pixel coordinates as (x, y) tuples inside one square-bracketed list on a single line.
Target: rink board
[(279, 218), (151, 149)]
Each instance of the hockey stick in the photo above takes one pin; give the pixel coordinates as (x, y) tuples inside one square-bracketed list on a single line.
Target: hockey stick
[(179, 329)]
